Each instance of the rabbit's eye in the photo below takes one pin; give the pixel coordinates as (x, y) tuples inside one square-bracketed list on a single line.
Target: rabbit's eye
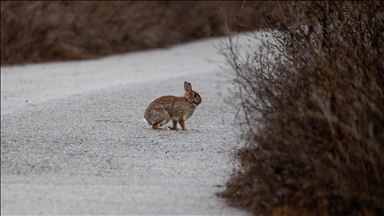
[(194, 95)]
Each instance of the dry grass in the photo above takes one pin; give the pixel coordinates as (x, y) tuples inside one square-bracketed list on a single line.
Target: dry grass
[(314, 102), (55, 31)]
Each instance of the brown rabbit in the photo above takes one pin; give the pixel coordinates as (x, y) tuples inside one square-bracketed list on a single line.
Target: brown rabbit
[(177, 109)]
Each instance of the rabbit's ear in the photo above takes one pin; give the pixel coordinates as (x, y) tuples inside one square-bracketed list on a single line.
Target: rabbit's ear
[(187, 86)]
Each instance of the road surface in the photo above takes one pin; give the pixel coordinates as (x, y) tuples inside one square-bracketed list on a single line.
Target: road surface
[(73, 140)]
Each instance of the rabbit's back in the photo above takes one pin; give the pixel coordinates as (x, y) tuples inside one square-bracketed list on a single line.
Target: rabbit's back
[(164, 102), (175, 106)]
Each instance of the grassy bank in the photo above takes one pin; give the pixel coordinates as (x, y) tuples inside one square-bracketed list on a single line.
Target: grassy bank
[(56, 31), (313, 99)]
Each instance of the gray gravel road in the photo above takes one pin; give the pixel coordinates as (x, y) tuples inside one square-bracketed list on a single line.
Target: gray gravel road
[(90, 153)]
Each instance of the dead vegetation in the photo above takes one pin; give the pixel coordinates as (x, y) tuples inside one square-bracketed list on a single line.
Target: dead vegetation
[(313, 98), (42, 31)]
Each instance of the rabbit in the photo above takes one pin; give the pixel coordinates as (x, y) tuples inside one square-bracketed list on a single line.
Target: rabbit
[(177, 109)]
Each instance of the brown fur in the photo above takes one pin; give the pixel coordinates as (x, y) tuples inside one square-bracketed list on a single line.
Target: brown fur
[(177, 109)]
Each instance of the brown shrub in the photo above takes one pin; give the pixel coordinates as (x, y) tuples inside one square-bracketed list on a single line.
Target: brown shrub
[(313, 98), (53, 31)]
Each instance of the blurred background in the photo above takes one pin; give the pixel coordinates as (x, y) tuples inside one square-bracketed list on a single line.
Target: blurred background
[(45, 31)]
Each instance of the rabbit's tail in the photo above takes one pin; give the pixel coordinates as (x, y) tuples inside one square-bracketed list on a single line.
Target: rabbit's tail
[(146, 122)]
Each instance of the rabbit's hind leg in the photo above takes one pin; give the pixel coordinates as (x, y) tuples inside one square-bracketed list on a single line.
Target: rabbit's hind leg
[(160, 117), (158, 127)]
